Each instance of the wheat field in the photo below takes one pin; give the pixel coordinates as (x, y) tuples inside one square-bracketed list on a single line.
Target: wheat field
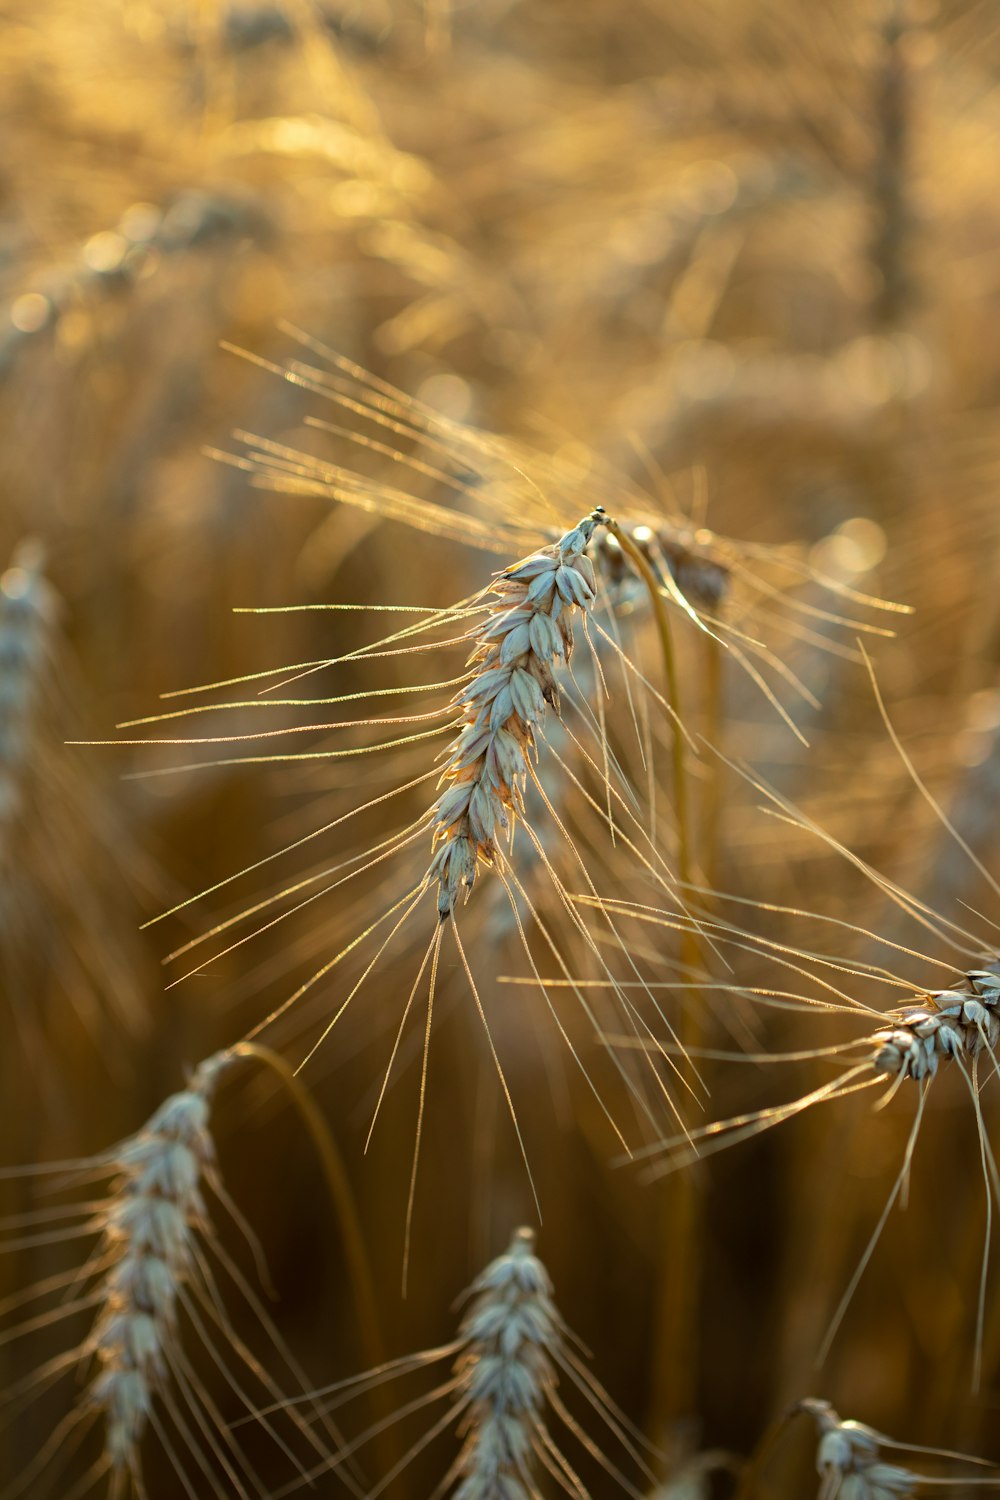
[(499, 729)]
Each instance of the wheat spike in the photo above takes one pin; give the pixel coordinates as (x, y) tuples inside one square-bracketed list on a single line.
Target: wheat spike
[(850, 1462), (506, 1372), (114, 261), (511, 1350), (152, 1279), (150, 1231), (671, 552), (27, 610), (963, 1021), (528, 632), (850, 1467)]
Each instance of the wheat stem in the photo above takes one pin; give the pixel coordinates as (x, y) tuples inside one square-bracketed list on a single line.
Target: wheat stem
[(678, 1300)]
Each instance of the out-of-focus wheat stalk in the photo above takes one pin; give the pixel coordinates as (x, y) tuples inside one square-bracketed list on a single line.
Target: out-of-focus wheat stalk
[(69, 967)]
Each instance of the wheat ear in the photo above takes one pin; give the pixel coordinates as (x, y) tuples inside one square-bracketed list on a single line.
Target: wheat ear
[(506, 1373), (511, 1350), (849, 1462), (961, 1022), (118, 260), (151, 1235), (851, 1466), (527, 633), (27, 608)]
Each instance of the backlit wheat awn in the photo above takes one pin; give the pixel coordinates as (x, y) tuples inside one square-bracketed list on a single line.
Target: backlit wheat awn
[(494, 493), (906, 1043)]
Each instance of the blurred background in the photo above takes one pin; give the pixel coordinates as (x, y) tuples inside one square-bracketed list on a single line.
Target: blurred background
[(733, 263)]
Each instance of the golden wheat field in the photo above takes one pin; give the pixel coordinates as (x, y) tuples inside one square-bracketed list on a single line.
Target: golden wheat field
[(499, 749)]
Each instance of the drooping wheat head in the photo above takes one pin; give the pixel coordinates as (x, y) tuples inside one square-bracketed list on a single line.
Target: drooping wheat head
[(529, 632)]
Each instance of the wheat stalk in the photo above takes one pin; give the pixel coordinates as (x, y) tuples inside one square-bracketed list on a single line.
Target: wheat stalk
[(890, 185)]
